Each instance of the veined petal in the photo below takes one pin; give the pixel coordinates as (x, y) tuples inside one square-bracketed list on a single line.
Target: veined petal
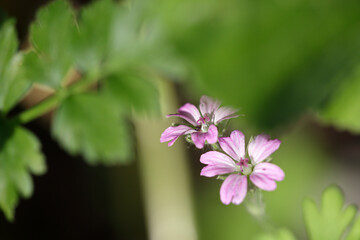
[(218, 163), (215, 170), (224, 113), (262, 147), (188, 112), (212, 134), (217, 159), (270, 170), (234, 145), (173, 133), (233, 189), (208, 105), (263, 182), (199, 139)]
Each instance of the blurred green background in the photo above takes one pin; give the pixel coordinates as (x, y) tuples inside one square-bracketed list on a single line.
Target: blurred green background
[(292, 67)]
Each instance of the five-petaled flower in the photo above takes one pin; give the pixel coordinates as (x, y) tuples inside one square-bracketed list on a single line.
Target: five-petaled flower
[(234, 162), (203, 123)]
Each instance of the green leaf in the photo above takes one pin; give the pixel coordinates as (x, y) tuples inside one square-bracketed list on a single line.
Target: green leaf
[(12, 84), (52, 29), (133, 89), (109, 36), (331, 220), (343, 111), (280, 234), (354, 233), (91, 47), (91, 125), (44, 71), (51, 35), (20, 155), (117, 36)]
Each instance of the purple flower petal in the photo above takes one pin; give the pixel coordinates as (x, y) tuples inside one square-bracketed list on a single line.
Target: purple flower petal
[(214, 170), (233, 189), (262, 147), (224, 113), (270, 170), (188, 112), (208, 105), (218, 163), (210, 136), (214, 158), (234, 145), (173, 133), (199, 139), (263, 182)]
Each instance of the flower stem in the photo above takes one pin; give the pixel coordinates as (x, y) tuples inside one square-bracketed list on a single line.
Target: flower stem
[(54, 100), (256, 207), (166, 184)]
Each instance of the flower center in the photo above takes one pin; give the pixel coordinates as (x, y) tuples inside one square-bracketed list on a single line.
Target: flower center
[(203, 123), (245, 166)]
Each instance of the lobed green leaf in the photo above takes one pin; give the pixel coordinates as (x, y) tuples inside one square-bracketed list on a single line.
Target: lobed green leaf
[(354, 233), (51, 35), (12, 83), (331, 220), (92, 125), (133, 90), (279, 234), (51, 32), (20, 155), (343, 110)]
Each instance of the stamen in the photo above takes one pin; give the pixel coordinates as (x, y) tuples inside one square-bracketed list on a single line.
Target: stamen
[(245, 167), (200, 121), (206, 117)]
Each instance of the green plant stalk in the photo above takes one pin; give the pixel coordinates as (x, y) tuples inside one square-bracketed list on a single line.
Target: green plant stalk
[(54, 100), (164, 175), (40, 108), (255, 206)]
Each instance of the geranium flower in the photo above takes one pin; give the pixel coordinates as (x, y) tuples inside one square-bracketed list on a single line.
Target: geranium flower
[(203, 123), (261, 174)]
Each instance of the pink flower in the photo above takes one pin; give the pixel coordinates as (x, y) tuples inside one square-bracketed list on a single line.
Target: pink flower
[(203, 123), (262, 174)]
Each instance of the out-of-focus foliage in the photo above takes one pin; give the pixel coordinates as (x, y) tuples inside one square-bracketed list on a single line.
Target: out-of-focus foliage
[(115, 36), (354, 233), (20, 155), (109, 48), (103, 41), (332, 219), (19, 150), (125, 88), (92, 126), (343, 111), (328, 222), (275, 59), (50, 35), (280, 234), (12, 85)]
